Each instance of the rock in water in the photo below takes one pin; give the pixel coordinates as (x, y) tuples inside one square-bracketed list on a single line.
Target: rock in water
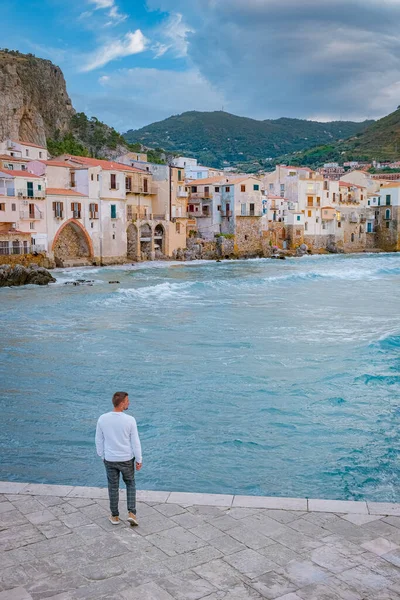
[(19, 275)]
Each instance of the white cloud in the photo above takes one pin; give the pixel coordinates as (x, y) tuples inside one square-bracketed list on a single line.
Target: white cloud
[(174, 36), (132, 43), (112, 9)]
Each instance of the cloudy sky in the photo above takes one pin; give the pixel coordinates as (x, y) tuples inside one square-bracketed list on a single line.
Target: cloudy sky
[(132, 62)]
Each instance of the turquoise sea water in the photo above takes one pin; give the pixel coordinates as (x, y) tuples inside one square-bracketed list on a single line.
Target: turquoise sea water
[(250, 377)]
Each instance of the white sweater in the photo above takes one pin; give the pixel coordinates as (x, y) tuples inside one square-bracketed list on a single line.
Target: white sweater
[(117, 438)]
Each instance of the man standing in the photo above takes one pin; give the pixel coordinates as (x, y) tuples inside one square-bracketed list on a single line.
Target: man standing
[(118, 444)]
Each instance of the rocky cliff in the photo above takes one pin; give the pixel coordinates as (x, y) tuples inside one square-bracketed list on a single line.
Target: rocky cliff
[(34, 102)]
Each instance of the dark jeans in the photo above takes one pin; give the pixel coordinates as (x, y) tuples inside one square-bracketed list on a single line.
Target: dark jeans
[(127, 470)]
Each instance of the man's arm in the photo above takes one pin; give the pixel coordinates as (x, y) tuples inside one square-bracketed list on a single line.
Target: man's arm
[(99, 441), (135, 443)]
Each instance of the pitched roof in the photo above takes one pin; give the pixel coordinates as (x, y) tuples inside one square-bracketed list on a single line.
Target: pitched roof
[(14, 158), (29, 144), (107, 165), (16, 173), (347, 184), (62, 192), (207, 181), (55, 163)]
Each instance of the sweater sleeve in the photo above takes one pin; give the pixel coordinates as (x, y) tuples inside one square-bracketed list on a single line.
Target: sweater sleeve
[(135, 442), (99, 440)]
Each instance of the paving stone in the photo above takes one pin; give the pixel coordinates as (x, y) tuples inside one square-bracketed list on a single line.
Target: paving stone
[(303, 572), (18, 593), (40, 517), (176, 541), (49, 501), (150, 496), (63, 509), (87, 492), (223, 523), (308, 528), (10, 518), (330, 558), (89, 532), (20, 555), (351, 532), (48, 586), (380, 565), (241, 513), (187, 520), (147, 591), (321, 518), (104, 569), (318, 592), (285, 516), (182, 562), (11, 487), (271, 585), (219, 573), (291, 596), (19, 535), (94, 512), (382, 508), (75, 519), (6, 506), (364, 580), (297, 541), (186, 586), (208, 512), (344, 591), (155, 524), (105, 547), (262, 523), (345, 547), (263, 502), (250, 537), (206, 532), (250, 563), (380, 546), (80, 502), (279, 554), (361, 519), (169, 510), (338, 506), (226, 544), (45, 547), (238, 592), (188, 499), (393, 557), (27, 505), (40, 489), (54, 529)]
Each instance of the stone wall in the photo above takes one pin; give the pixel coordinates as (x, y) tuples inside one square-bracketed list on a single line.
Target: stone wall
[(26, 260), (70, 244), (388, 238), (248, 236), (294, 236)]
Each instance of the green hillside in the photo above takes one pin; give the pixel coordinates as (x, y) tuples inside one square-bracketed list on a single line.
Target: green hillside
[(218, 138)]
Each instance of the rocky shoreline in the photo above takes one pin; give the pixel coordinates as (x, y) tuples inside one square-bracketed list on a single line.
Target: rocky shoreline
[(17, 275)]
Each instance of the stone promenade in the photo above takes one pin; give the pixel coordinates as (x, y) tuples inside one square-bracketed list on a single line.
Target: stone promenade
[(56, 542)]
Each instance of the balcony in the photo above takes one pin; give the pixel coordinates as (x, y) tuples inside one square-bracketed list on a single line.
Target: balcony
[(31, 215), (353, 218), (140, 189), (182, 194), (200, 195), (226, 213), (93, 215), (25, 193), (10, 248), (143, 216), (252, 213)]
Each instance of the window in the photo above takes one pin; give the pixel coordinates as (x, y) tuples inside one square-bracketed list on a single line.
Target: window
[(282, 187), (145, 185), (129, 212), (23, 167), (369, 227), (4, 248), (113, 236), (310, 201), (26, 152), (128, 184), (271, 187), (206, 191), (227, 188), (93, 211), (113, 211), (306, 226), (326, 185), (194, 189), (387, 224), (13, 207), (369, 202), (352, 237), (92, 177), (379, 201), (309, 212), (334, 196), (31, 225), (98, 177), (318, 201), (2, 206), (179, 175), (40, 155), (340, 197), (10, 167), (252, 210), (242, 188), (217, 189), (72, 179), (388, 198), (298, 217), (219, 207), (323, 225), (339, 224), (113, 181), (39, 187), (256, 187), (362, 196), (178, 227), (76, 210), (387, 213), (58, 208)]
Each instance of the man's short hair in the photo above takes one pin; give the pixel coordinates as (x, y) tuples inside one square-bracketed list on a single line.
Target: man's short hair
[(118, 398)]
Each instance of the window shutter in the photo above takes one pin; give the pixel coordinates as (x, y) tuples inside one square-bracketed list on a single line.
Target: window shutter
[(79, 206), (54, 205), (96, 207)]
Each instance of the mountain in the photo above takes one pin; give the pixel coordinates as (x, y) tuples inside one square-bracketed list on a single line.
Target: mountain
[(218, 138), (379, 141), (33, 98)]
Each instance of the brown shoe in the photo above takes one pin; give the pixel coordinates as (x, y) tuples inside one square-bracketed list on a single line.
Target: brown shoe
[(132, 519), (114, 520)]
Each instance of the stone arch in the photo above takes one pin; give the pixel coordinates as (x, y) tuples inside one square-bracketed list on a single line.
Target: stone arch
[(146, 241), (132, 242), (72, 242), (159, 238)]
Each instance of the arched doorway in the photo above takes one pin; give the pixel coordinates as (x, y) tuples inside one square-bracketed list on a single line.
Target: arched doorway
[(146, 241), (159, 240), (132, 242), (72, 243)]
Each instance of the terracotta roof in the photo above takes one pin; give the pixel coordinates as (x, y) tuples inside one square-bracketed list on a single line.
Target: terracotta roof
[(13, 158), (220, 179), (62, 192), (389, 185), (29, 144), (330, 207), (295, 168), (16, 173), (15, 231), (55, 163), (107, 165), (347, 184)]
